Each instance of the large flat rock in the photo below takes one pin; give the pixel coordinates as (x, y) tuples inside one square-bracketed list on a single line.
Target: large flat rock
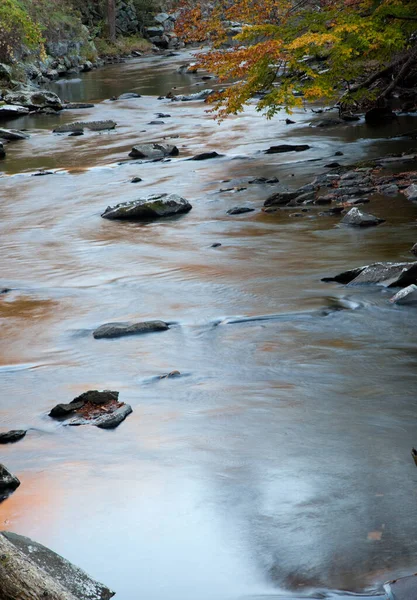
[(145, 209), (115, 330)]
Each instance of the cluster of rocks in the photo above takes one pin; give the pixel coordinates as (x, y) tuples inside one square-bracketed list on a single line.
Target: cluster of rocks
[(162, 34)]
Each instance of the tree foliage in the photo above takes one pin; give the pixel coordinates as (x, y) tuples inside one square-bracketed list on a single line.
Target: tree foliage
[(17, 29), (287, 50)]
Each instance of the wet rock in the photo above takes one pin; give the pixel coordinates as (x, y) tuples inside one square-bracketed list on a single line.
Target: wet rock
[(76, 105), (136, 180), (206, 156), (5, 73), (114, 419), (153, 207), (129, 96), (411, 192), (41, 173), (34, 100), (162, 116), (153, 150), (218, 244), (332, 212), (408, 295), (115, 330), (414, 250), (10, 111), (203, 95), (2, 151), (170, 375), (5, 290), (81, 125), (14, 435), (356, 218), (338, 153), (289, 122), (287, 148), (239, 210), (156, 123), (379, 115), (76, 134), (281, 198), (72, 578), (386, 274), (64, 410), (332, 165), (8, 482), (13, 134), (390, 190), (97, 397)]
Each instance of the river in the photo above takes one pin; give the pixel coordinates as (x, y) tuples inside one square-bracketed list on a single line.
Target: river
[(279, 463)]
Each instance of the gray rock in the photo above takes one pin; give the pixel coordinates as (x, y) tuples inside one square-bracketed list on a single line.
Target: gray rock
[(69, 576), (155, 31), (81, 125), (76, 105), (144, 209), (153, 150), (356, 218), (239, 210), (34, 100), (113, 419), (206, 156), (390, 190), (203, 95), (8, 482), (281, 198), (386, 274), (411, 192), (115, 330), (408, 295), (9, 111), (9, 437), (129, 96), (161, 17), (65, 410), (414, 250), (287, 148), (13, 134)]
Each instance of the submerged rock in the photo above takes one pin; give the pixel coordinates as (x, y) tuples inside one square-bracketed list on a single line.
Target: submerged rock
[(9, 437), (386, 274), (8, 482), (281, 198), (206, 155), (144, 209), (81, 125), (239, 210), (13, 134), (153, 150), (287, 148), (407, 295), (115, 330), (72, 578), (357, 218)]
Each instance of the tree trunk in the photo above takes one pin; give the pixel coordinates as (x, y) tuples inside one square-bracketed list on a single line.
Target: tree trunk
[(22, 579), (111, 20)]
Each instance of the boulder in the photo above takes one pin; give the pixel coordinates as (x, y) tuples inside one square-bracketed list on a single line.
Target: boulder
[(386, 274), (9, 437), (115, 330), (144, 209), (239, 210), (407, 295), (81, 125), (287, 148), (8, 482), (153, 150), (73, 579), (206, 156), (411, 192), (357, 218), (10, 111), (34, 100), (13, 134)]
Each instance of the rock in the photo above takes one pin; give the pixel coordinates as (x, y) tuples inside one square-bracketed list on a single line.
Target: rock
[(332, 165), (411, 192), (2, 151), (156, 123), (162, 116), (76, 105), (8, 482), (414, 250), (64, 410), (206, 156), (136, 180), (289, 122), (203, 95), (327, 123), (115, 330), (408, 295), (96, 397), (87, 66), (129, 96), (216, 245), (5, 73), (13, 134), (356, 218), (34, 100), (72, 578), (332, 212), (9, 437), (281, 198), (390, 190), (153, 207), (338, 153), (9, 111), (81, 125), (239, 210), (379, 115), (170, 375), (114, 419), (76, 134), (386, 274), (153, 150), (287, 148), (161, 17)]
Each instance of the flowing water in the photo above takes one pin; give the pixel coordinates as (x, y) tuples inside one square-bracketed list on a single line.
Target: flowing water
[(279, 463)]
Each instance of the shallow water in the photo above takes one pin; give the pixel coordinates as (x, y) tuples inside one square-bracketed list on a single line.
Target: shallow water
[(279, 463)]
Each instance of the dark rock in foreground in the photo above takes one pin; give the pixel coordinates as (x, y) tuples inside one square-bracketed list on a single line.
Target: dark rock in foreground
[(8, 482), (206, 156), (386, 274), (115, 330), (81, 125), (72, 578), (153, 150), (287, 148), (357, 218), (239, 210), (145, 209), (9, 437)]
